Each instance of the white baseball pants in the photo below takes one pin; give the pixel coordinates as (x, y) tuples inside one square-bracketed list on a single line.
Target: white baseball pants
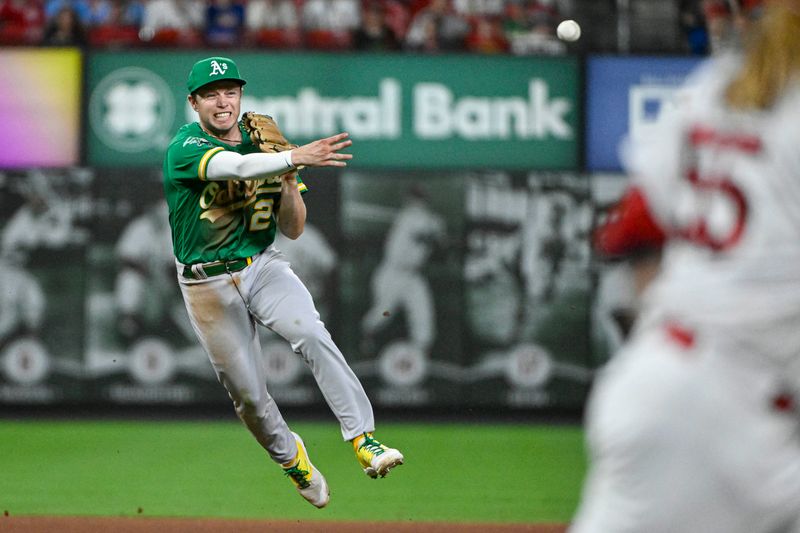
[(224, 311), (690, 435)]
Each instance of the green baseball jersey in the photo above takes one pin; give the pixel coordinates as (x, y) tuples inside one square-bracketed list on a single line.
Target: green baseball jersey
[(216, 220)]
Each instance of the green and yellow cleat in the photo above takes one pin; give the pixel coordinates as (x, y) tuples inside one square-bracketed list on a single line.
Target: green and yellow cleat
[(309, 481), (376, 458)]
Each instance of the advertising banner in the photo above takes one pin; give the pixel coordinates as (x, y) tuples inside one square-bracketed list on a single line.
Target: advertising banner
[(401, 111), (402, 288), (468, 288), (43, 216), (441, 289), (40, 107), (625, 96), (140, 347), (528, 289)]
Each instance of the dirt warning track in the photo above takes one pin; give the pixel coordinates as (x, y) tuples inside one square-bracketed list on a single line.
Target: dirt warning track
[(49, 524)]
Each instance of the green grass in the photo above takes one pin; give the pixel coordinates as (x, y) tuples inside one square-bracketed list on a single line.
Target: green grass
[(453, 472)]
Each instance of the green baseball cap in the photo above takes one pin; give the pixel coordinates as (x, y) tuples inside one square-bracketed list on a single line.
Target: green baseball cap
[(210, 70)]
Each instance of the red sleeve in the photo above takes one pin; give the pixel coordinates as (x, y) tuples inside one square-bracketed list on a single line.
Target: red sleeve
[(629, 228)]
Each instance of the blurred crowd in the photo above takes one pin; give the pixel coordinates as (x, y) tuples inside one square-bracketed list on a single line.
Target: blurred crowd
[(425, 26), (709, 25)]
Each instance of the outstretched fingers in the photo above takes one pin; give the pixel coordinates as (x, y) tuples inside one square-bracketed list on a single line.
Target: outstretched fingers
[(336, 143), (324, 152), (333, 139), (341, 146), (336, 160)]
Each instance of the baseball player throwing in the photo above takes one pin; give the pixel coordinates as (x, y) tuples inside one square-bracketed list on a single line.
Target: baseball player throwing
[(226, 200), (693, 426)]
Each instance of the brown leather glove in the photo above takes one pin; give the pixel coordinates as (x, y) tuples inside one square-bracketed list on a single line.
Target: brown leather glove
[(265, 133)]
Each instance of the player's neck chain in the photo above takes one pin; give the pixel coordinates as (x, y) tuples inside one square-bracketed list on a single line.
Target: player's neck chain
[(227, 140)]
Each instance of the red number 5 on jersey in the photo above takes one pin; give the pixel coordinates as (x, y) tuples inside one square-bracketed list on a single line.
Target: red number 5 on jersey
[(720, 216), (719, 208)]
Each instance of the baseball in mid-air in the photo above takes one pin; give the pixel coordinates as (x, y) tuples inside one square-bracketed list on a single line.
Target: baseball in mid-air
[(568, 30)]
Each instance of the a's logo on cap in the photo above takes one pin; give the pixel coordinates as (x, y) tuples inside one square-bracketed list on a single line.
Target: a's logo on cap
[(218, 68)]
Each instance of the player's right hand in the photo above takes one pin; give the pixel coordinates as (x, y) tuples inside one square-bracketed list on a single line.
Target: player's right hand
[(323, 152)]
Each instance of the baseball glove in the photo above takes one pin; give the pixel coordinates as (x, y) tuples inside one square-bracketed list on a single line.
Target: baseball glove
[(264, 132)]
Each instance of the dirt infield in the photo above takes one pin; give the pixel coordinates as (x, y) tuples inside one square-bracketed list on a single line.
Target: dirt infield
[(47, 524)]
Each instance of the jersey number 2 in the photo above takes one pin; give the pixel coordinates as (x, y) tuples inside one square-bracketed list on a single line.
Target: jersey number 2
[(262, 215)]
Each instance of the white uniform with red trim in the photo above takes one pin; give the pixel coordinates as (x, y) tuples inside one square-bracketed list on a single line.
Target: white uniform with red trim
[(692, 426)]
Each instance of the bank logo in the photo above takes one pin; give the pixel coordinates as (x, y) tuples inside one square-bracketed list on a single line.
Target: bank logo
[(647, 104), (132, 110)]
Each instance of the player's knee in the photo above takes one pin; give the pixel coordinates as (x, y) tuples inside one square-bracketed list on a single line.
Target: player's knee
[(250, 405), (305, 337)]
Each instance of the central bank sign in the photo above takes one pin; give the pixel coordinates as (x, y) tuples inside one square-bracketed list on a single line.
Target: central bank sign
[(437, 114), (401, 111)]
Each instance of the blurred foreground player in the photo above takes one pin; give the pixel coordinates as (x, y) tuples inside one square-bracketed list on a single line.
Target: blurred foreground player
[(226, 201), (693, 427)]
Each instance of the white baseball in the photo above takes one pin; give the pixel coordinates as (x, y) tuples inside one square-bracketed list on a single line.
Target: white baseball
[(568, 30)]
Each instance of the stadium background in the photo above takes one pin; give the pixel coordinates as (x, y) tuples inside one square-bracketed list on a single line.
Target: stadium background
[(516, 154)]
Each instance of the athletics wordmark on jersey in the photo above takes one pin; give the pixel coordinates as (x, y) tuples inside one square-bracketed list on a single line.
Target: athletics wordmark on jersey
[(217, 201)]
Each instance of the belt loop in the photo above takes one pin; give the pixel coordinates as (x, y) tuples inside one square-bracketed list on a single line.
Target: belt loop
[(198, 271)]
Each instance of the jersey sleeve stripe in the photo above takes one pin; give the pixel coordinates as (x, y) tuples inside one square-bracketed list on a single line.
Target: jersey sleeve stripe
[(203, 166)]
